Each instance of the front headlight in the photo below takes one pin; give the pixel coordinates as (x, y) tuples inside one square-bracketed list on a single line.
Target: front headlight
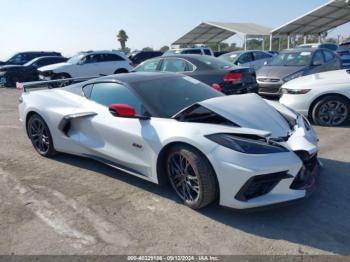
[(293, 76), (245, 145), (295, 91)]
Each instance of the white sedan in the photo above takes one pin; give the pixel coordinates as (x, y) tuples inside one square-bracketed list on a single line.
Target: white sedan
[(242, 150), (324, 97)]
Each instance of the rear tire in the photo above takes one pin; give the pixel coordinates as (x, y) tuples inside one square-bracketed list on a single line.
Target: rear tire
[(40, 136), (191, 176), (332, 110)]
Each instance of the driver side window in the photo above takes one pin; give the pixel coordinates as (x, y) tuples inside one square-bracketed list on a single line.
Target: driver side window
[(149, 66), (113, 93), (245, 58)]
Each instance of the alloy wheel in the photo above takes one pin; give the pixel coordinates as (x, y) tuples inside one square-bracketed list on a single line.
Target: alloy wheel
[(183, 177), (333, 113)]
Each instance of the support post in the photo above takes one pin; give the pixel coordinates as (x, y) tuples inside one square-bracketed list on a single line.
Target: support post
[(263, 43), (305, 39), (319, 38), (219, 47), (245, 42), (271, 39), (288, 41)]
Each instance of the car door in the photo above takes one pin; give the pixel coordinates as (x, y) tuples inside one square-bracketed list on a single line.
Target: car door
[(331, 61), (110, 63), (260, 58), (120, 142), (88, 66)]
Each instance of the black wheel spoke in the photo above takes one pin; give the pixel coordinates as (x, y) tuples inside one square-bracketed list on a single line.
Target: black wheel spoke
[(183, 178)]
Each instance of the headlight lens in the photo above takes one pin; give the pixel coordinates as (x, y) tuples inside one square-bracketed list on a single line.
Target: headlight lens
[(295, 91), (245, 145), (293, 76)]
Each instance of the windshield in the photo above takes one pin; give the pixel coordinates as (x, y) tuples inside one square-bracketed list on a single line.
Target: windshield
[(19, 59), (32, 61), (75, 59), (214, 62), (230, 57), (291, 59), (167, 96)]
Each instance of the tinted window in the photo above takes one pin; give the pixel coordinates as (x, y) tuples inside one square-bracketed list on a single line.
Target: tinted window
[(214, 62), (111, 57), (329, 56), (261, 55), (230, 57), (318, 58), (192, 51), (89, 59), (112, 93), (176, 65), (207, 52), (148, 66), (245, 58), (169, 95), (330, 47), (291, 59)]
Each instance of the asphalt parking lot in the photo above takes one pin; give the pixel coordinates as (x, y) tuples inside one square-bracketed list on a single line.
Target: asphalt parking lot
[(71, 205)]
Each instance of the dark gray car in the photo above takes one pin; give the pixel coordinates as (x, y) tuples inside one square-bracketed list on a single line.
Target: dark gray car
[(210, 70), (293, 63)]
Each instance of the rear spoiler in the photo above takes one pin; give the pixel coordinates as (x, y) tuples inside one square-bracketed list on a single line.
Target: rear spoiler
[(49, 84)]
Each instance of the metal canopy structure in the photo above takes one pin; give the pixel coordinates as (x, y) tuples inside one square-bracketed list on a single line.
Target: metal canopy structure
[(317, 21), (216, 32)]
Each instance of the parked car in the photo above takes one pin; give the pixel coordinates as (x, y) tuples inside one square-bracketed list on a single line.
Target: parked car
[(293, 63), (138, 57), (10, 74), (273, 52), (219, 53), (25, 57), (210, 70), (88, 64), (324, 97), (242, 150), (330, 46), (190, 51), (343, 53), (254, 59)]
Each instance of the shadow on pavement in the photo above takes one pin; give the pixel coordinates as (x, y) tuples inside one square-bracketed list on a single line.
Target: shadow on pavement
[(322, 221)]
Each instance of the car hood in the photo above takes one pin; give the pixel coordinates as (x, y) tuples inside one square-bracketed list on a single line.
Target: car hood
[(329, 79), (54, 66), (250, 111), (278, 71), (9, 67)]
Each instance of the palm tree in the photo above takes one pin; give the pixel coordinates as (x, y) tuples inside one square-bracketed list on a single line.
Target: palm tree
[(122, 38)]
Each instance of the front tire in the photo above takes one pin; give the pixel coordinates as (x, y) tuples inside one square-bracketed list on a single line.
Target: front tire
[(40, 136), (331, 110), (191, 176)]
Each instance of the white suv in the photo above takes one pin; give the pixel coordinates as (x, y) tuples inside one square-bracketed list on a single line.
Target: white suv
[(192, 51), (88, 64)]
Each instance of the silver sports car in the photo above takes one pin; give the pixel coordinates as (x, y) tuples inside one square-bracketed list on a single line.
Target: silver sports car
[(241, 150)]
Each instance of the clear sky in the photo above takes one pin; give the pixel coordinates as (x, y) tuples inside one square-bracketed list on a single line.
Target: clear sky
[(69, 26)]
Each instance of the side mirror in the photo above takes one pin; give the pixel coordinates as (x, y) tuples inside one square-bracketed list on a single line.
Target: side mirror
[(125, 111)]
